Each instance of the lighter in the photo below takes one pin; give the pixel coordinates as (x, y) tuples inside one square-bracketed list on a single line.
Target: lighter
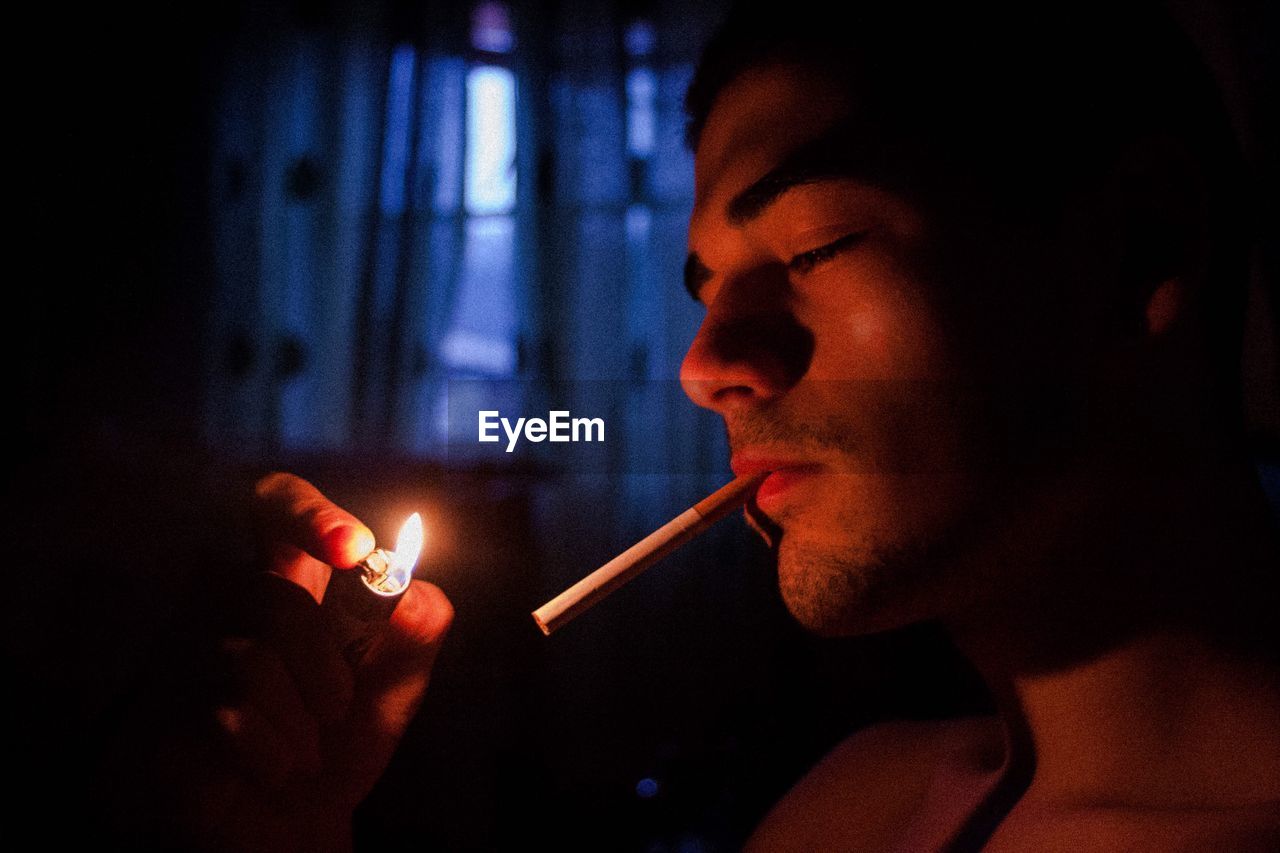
[(388, 573), (357, 616)]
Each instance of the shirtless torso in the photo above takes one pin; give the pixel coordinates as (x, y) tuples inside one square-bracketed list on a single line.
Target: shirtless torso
[(916, 786)]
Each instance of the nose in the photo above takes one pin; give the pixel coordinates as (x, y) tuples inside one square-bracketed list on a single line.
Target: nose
[(750, 349)]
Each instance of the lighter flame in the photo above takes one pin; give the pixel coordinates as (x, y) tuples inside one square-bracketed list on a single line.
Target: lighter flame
[(408, 547), (388, 572)]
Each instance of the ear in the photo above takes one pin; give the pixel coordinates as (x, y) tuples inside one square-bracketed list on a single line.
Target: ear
[(1158, 210)]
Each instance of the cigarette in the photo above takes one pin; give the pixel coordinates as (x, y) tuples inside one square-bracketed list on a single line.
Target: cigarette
[(587, 592)]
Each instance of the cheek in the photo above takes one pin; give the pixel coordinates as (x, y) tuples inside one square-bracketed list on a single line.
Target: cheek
[(869, 330), (876, 339), (872, 319)]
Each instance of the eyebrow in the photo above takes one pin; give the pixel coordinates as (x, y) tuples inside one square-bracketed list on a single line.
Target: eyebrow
[(831, 156)]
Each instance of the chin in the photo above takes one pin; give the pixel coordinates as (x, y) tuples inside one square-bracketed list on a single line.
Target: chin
[(846, 591)]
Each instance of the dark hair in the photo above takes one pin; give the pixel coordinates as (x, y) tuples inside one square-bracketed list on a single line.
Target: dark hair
[(1033, 99)]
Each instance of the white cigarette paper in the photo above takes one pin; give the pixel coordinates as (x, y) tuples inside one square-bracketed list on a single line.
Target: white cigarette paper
[(587, 592)]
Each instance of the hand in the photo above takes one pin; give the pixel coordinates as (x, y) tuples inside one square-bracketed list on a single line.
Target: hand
[(295, 736)]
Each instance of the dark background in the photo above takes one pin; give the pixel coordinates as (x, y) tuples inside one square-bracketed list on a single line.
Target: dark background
[(126, 520)]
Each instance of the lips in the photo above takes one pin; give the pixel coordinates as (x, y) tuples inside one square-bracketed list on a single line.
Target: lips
[(786, 476), (780, 483)]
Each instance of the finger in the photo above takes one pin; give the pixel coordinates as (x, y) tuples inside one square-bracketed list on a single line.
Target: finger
[(264, 683), (390, 684), (299, 567), (292, 624), (394, 674), (294, 511)]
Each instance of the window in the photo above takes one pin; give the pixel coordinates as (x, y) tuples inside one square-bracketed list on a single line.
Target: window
[(483, 326)]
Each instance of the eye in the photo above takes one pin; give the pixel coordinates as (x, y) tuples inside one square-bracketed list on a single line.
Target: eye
[(807, 261)]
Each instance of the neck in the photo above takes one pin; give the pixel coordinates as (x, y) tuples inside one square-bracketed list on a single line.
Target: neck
[(1132, 660)]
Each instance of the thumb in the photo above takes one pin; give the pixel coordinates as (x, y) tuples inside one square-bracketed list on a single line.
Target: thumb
[(390, 683)]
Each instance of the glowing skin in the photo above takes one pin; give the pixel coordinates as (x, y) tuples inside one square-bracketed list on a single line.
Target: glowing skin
[(830, 346), (999, 421)]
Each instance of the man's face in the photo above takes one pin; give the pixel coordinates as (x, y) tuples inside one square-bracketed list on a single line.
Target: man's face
[(873, 346)]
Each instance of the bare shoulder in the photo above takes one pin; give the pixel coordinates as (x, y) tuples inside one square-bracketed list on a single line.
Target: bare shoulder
[(1246, 829), (865, 792)]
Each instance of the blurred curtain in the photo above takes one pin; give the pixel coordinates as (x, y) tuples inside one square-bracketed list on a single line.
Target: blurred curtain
[(408, 196), (619, 194), (337, 216)]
